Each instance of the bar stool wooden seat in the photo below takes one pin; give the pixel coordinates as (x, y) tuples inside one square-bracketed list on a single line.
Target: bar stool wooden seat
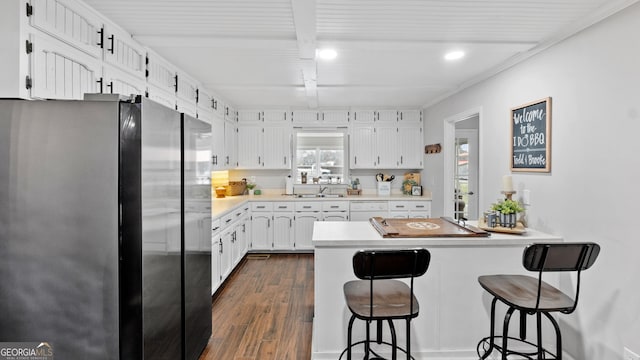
[(378, 296), (532, 296)]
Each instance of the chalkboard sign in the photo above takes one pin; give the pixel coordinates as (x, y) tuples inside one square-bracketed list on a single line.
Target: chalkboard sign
[(531, 136)]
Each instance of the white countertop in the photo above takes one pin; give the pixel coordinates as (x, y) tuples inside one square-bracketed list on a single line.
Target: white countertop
[(362, 233), (221, 206)]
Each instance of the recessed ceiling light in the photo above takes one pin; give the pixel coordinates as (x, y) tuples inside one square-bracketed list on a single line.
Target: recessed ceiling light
[(327, 54), (454, 55)]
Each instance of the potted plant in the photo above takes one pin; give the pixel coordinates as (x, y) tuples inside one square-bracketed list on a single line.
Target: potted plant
[(507, 211), (250, 187)]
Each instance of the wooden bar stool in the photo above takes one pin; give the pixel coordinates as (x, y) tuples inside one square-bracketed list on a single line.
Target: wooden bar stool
[(532, 296), (377, 296)]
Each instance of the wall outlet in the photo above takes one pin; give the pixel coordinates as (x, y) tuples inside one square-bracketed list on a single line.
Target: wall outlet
[(630, 355)]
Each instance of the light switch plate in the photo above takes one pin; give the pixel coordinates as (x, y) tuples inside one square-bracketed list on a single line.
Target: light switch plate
[(526, 197)]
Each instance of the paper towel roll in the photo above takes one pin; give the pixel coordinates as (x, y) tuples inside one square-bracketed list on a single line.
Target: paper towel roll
[(288, 187)]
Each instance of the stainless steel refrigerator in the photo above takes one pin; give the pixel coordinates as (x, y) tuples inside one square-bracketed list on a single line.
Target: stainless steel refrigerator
[(96, 209)]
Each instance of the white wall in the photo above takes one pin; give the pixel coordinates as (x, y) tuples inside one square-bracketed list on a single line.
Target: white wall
[(591, 193)]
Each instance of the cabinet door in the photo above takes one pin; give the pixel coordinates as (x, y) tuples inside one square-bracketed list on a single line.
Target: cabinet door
[(335, 216), (387, 116), (410, 146), (249, 116), (398, 214), (250, 147), (230, 114), (305, 117), (59, 71), (277, 147), (215, 262), (217, 144), (386, 147), (335, 118), (162, 97), (361, 146), (71, 22), (410, 116), (161, 73), (187, 88), (261, 233), (121, 51), (283, 230), (225, 253), (230, 145), (363, 116), (304, 229), (245, 236), (116, 81), (274, 116)]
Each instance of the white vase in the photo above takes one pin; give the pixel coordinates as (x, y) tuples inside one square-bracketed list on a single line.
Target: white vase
[(251, 192)]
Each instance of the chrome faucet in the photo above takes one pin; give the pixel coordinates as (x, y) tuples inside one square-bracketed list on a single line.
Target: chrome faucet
[(322, 189)]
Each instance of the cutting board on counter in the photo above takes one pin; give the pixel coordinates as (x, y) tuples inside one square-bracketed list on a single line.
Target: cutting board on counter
[(423, 228)]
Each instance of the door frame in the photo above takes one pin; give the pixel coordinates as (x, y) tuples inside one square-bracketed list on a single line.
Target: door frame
[(448, 150), (473, 173)]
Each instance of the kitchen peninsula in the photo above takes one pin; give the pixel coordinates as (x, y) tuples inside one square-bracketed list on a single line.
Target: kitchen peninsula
[(454, 310)]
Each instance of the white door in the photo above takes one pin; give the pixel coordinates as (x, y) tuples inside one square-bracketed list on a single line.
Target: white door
[(304, 229), (283, 231), (250, 147), (277, 147), (386, 147), (261, 235), (361, 147), (465, 175)]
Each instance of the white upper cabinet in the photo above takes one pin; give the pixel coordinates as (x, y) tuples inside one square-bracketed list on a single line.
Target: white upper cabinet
[(409, 117), (204, 105), (121, 51), (362, 147), (70, 21), (305, 118), (161, 74), (250, 152), (217, 144), (249, 116), (274, 116), (230, 114), (363, 116), (334, 117), (411, 147), (187, 87), (277, 147), (264, 147), (231, 144), (387, 116), (386, 147), (60, 71), (116, 81)]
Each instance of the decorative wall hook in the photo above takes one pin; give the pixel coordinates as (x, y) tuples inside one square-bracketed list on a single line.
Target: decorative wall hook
[(433, 149)]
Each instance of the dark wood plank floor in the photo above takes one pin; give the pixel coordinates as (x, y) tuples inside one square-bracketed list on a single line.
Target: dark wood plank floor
[(264, 311)]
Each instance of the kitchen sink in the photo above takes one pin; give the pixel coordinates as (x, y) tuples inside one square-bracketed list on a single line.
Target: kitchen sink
[(320, 195)]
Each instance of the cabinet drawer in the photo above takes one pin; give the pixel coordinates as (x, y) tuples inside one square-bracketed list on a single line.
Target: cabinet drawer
[(398, 205), (368, 205), (335, 206), (283, 206), (420, 205), (215, 226), (309, 206), (262, 206), (228, 219)]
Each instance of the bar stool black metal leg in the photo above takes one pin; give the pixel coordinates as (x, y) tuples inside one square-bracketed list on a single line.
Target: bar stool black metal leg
[(492, 332), (367, 342), (353, 317), (408, 339), (558, 336), (539, 325), (379, 332), (505, 332), (394, 340)]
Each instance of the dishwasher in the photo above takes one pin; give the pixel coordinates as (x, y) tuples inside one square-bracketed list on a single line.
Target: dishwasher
[(363, 210)]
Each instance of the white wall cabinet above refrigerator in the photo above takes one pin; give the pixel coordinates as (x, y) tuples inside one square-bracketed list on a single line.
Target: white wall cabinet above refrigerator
[(121, 51), (116, 81)]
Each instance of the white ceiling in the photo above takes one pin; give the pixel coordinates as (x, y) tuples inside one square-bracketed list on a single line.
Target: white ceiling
[(261, 53)]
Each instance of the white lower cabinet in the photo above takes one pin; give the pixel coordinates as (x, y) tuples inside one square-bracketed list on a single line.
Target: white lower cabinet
[(216, 279), (335, 211), (261, 233), (307, 213), (283, 226), (226, 244), (409, 209)]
